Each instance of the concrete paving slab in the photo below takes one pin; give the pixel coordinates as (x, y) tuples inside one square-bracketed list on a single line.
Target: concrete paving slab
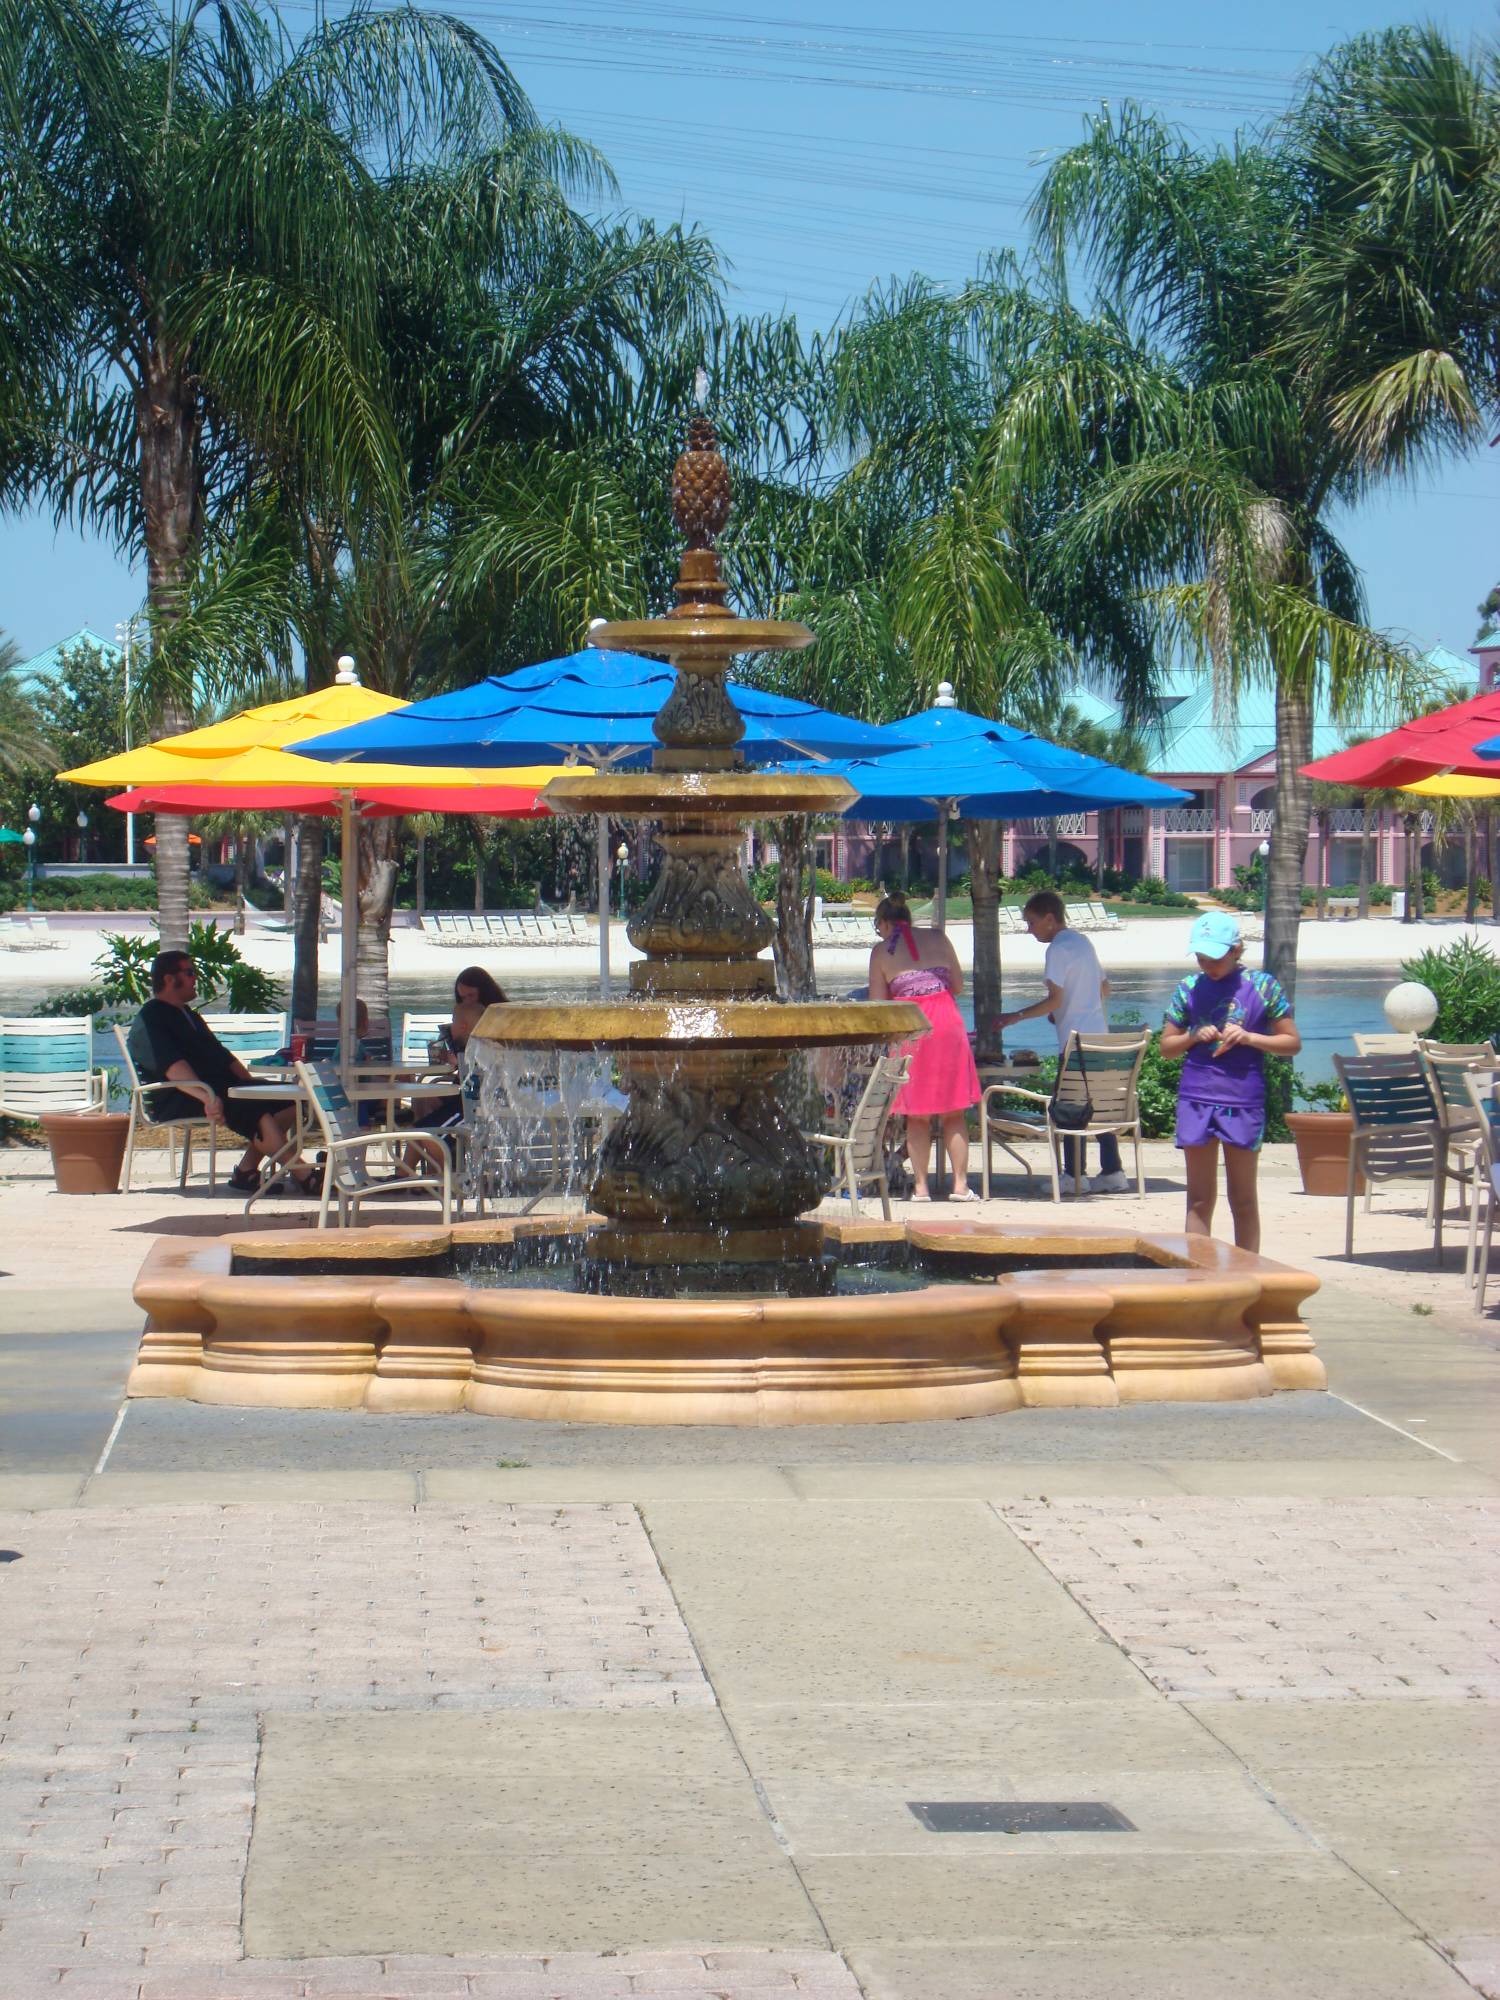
[(23, 1492), (859, 1602), (978, 1482), (629, 1483), (1035, 1899), (1352, 1968), (1011, 1743), (235, 1487), (1195, 1813), (1340, 1478), (1279, 1739), (461, 1833)]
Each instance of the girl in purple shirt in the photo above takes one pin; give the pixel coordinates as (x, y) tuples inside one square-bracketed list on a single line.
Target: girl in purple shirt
[(1224, 1022)]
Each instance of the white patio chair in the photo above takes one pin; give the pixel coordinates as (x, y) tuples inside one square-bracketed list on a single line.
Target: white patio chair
[(859, 1152), (186, 1128), (347, 1179), (1103, 1071)]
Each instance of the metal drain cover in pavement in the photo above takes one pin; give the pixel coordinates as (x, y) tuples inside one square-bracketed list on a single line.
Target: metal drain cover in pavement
[(1019, 1816)]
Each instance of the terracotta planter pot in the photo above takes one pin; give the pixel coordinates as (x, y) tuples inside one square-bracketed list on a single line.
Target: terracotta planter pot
[(88, 1149), (1322, 1139)]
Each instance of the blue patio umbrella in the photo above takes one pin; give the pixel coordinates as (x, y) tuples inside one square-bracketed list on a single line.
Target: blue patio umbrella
[(991, 772), (593, 704)]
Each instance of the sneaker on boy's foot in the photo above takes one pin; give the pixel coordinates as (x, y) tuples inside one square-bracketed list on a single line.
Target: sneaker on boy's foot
[(1068, 1185), (1115, 1183)]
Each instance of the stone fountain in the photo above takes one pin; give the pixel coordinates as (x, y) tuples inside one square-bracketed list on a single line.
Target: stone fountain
[(703, 1187), (704, 1177)]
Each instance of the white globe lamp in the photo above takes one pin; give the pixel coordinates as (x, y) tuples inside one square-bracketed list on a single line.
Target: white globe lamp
[(1411, 1008)]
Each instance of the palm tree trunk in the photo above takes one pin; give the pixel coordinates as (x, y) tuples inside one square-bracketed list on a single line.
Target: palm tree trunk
[(1325, 822), (421, 876), (242, 852), (1494, 858), (903, 857), (1364, 859), (307, 916), (982, 843), (1471, 870), (167, 428), (478, 869), (287, 900), (377, 895), (1414, 911), (1289, 841), (794, 907), (1099, 852)]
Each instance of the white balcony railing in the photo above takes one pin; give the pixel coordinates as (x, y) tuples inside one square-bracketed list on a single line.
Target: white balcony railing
[(1346, 819), (1263, 819), (1188, 819), (1069, 826)]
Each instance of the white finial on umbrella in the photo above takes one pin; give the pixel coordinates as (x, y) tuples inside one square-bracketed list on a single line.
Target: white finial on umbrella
[(347, 675), (700, 387), (945, 696)]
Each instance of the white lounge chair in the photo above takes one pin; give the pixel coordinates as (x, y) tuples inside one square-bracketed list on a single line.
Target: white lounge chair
[(49, 1066)]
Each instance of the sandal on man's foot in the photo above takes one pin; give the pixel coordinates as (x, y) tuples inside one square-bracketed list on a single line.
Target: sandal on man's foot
[(245, 1180)]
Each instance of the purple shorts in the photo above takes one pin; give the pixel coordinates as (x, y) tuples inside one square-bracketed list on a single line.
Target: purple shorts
[(1242, 1125)]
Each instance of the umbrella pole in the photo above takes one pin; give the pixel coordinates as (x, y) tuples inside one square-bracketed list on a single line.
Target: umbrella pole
[(601, 870), (349, 935), (944, 806)]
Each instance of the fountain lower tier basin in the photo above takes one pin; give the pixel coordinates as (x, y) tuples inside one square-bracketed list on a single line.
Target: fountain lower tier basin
[(1036, 1316), (701, 1025), (730, 798)]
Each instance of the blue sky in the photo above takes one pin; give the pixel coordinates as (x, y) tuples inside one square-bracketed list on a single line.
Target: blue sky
[(865, 139)]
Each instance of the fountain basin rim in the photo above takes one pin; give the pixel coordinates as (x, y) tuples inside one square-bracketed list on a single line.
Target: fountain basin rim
[(692, 794), (701, 639), (714, 1026)]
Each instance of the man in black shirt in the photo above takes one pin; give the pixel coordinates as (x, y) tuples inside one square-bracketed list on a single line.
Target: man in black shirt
[(170, 1043)]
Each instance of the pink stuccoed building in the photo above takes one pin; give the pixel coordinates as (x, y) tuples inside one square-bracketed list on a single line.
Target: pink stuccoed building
[(1231, 773)]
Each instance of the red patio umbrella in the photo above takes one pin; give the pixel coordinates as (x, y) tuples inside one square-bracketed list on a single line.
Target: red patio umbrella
[(375, 801), (1426, 747)]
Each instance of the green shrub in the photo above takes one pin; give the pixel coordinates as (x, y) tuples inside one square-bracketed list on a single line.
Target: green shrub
[(1465, 976), (1380, 895), (76, 1001), (95, 892), (124, 968), (1152, 889)]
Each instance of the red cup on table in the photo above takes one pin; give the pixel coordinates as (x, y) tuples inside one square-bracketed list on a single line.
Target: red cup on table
[(299, 1048)]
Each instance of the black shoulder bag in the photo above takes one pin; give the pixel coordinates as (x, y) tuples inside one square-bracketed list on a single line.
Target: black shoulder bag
[(1073, 1115)]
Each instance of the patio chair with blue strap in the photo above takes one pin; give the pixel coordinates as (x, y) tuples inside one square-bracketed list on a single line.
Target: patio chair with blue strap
[(859, 1152), (1480, 1089), (49, 1066), (249, 1036), (347, 1179), (418, 1033), (1398, 1134), (1447, 1063)]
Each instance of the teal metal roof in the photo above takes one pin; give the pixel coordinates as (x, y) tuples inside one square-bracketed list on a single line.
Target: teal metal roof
[(47, 664), (1190, 738)]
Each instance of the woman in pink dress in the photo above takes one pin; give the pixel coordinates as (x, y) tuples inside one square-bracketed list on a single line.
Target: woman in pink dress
[(921, 966)]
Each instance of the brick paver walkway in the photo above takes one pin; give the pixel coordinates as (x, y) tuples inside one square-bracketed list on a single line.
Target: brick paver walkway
[(138, 1649), (1347, 1600)]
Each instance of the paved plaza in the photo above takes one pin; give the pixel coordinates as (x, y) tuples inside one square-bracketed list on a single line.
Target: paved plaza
[(323, 1705)]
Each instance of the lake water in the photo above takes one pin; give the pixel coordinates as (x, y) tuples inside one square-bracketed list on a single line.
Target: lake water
[(1332, 1005)]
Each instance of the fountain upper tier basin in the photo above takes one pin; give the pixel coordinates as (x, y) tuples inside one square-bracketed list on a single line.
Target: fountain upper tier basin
[(695, 1026), (729, 796), (699, 640)]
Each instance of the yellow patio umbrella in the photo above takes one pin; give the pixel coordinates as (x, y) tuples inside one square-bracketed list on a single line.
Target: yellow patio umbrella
[(254, 749), (1454, 785)]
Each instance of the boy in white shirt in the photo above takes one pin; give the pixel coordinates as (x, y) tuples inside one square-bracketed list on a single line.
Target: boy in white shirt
[(1076, 992)]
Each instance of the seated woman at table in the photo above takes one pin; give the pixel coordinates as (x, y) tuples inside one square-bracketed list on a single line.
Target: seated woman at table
[(473, 991), (170, 1042)]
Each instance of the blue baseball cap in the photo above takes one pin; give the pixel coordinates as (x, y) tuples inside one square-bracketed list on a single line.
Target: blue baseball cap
[(1214, 934)]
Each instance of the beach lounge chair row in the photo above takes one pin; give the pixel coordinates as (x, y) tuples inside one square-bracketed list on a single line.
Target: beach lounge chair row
[(460, 931), (30, 933), (844, 927)]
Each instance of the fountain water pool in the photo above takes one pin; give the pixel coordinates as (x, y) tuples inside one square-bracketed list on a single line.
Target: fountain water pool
[(697, 1290)]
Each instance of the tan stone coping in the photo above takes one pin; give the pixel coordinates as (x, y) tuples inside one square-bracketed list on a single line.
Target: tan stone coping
[(709, 1025), (1208, 1324)]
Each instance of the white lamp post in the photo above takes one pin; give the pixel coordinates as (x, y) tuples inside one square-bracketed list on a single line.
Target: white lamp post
[(82, 823), (28, 838), (1411, 1008), (622, 855)]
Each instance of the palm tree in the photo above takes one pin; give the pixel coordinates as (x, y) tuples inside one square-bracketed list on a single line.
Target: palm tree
[(1227, 455), (189, 270), (24, 742)]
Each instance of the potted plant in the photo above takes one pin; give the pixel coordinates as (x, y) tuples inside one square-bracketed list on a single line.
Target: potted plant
[(1321, 1136)]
